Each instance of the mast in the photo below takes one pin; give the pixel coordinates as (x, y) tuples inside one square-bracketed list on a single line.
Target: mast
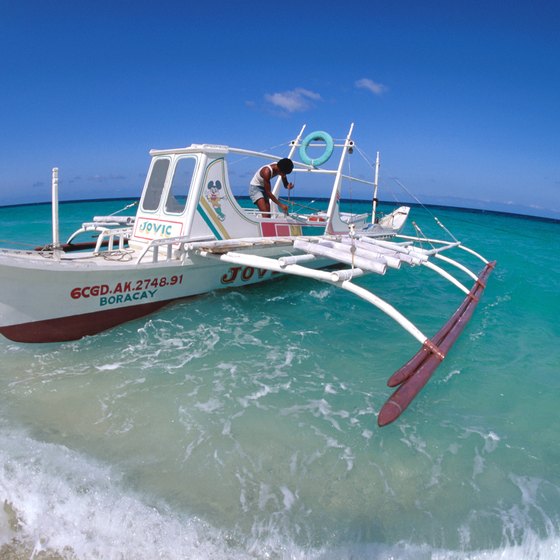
[(276, 189), (375, 184), (335, 194)]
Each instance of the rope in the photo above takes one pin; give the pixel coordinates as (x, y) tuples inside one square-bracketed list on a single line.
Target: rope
[(290, 190), (299, 204), (426, 209), (269, 149), (351, 195), (420, 233), (118, 255), (445, 229), (372, 165)]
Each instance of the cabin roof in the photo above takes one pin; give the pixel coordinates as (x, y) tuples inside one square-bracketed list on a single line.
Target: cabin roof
[(193, 149)]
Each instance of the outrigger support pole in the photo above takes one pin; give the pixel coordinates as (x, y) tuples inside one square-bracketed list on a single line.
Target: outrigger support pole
[(333, 278), (411, 377)]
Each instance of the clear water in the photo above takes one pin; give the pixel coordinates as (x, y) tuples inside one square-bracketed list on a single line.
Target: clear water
[(242, 424)]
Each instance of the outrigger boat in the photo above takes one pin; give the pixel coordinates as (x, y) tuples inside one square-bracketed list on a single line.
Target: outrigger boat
[(190, 236)]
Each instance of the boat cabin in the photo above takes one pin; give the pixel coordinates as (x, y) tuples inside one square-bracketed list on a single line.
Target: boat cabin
[(187, 194)]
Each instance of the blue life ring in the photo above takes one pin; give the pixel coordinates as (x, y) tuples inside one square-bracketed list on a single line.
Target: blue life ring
[(329, 147)]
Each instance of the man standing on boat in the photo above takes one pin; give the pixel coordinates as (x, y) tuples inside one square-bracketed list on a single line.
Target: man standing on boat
[(260, 190)]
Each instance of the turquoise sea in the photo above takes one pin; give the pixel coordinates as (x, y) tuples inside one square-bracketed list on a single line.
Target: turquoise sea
[(242, 424)]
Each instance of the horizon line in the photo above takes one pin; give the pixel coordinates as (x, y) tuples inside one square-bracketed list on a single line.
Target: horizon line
[(413, 204)]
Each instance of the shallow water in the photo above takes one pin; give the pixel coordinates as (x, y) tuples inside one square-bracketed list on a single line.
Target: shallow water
[(242, 424)]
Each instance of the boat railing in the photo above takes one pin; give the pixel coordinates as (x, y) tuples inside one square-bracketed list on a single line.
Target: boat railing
[(113, 238), (114, 220), (176, 248), (172, 248)]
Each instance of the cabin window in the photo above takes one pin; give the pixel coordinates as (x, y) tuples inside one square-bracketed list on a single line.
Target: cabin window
[(155, 185), (179, 191)]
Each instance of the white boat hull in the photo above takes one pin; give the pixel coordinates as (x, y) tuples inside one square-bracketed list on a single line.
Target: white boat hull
[(46, 300)]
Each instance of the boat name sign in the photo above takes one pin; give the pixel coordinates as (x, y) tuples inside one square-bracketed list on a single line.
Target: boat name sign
[(123, 292), (156, 229)]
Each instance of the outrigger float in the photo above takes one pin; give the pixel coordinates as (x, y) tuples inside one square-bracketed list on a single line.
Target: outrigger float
[(191, 236)]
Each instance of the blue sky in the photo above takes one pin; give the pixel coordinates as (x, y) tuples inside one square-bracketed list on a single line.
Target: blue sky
[(461, 98)]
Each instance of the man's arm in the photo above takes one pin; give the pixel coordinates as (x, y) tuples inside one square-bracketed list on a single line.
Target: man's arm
[(286, 183), (265, 174)]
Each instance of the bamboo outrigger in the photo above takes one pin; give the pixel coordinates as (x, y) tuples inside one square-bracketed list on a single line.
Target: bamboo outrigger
[(190, 236)]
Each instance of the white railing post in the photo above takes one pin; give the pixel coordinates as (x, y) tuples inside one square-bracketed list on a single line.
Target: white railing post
[(55, 225)]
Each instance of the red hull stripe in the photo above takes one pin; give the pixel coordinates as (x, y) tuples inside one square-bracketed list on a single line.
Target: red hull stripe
[(77, 326)]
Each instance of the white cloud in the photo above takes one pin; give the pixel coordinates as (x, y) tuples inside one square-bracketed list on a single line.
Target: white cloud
[(294, 101), (375, 87)]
